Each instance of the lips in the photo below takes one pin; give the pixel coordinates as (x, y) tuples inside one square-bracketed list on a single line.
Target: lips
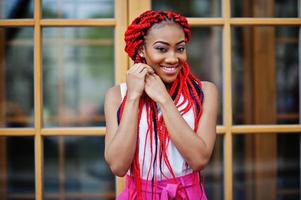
[(169, 69)]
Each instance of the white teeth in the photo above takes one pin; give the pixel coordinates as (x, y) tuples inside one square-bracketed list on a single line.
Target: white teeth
[(169, 69)]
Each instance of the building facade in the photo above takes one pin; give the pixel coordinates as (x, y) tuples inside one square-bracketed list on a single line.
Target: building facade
[(58, 58)]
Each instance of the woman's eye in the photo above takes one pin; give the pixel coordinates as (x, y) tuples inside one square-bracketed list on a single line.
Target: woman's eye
[(181, 49), (161, 49)]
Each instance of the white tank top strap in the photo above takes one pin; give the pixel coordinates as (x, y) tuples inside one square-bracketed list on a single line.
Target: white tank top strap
[(123, 89)]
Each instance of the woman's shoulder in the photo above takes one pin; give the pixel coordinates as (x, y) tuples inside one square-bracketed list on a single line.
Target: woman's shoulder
[(210, 91), (113, 90), (209, 86), (116, 88), (113, 94)]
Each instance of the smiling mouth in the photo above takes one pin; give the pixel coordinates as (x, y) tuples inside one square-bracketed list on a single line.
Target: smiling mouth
[(169, 70)]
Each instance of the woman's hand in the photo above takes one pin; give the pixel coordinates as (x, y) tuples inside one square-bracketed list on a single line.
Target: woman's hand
[(155, 88), (135, 79)]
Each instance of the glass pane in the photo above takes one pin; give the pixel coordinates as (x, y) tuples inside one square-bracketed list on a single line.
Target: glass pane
[(205, 57), (266, 166), (265, 75), (264, 8), (74, 167), (16, 77), (17, 175), (190, 8), (78, 9), (78, 68), (16, 9), (213, 174)]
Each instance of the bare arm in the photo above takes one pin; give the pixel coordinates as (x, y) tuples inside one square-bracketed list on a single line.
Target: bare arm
[(120, 141), (196, 149)]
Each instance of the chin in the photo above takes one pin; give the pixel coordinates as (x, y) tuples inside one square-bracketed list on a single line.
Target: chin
[(169, 80)]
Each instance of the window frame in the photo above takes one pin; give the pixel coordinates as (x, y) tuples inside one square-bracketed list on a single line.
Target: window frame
[(125, 11)]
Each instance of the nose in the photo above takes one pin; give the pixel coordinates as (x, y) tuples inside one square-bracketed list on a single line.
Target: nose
[(171, 58)]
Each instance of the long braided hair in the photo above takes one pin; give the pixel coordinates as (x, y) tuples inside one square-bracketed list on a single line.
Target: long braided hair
[(185, 85)]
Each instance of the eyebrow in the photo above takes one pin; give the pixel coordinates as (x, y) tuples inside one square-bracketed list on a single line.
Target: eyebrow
[(166, 43)]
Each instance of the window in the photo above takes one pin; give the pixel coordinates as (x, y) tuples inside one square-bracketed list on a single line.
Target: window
[(57, 60), (58, 57)]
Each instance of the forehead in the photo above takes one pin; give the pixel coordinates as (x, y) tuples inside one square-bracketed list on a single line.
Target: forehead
[(168, 32)]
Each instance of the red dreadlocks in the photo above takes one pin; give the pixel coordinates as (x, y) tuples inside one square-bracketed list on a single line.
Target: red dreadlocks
[(185, 85)]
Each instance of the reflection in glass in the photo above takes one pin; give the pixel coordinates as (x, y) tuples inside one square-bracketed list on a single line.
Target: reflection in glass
[(266, 166), (78, 68), (75, 166), (190, 8), (16, 77), (205, 57), (17, 175), (265, 68), (16, 9), (213, 174), (264, 8), (78, 9)]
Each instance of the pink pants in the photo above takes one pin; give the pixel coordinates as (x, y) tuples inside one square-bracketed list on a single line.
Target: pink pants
[(186, 188)]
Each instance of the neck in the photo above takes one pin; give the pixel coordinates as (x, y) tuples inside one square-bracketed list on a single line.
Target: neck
[(168, 85)]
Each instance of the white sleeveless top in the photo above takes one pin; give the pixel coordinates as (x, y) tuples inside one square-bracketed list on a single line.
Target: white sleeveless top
[(177, 162)]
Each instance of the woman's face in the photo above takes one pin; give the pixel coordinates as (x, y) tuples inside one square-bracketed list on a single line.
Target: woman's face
[(164, 50)]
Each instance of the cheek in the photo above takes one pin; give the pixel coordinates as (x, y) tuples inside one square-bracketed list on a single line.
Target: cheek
[(182, 58), (154, 58)]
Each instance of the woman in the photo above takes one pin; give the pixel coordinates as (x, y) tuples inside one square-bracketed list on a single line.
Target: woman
[(161, 123)]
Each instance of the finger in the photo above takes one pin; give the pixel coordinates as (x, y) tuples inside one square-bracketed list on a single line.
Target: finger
[(149, 75), (141, 68), (133, 68), (156, 76), (151, 70), (147, 66), (152, 75), (148, 70), (138, 68), (143, 73), (148, 78)]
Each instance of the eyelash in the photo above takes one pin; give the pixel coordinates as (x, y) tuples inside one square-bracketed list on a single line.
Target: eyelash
[(181, 49), (164, 50), (161, 49)]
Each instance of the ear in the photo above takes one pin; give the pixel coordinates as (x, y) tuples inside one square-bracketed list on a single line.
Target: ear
[(141, 51)]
